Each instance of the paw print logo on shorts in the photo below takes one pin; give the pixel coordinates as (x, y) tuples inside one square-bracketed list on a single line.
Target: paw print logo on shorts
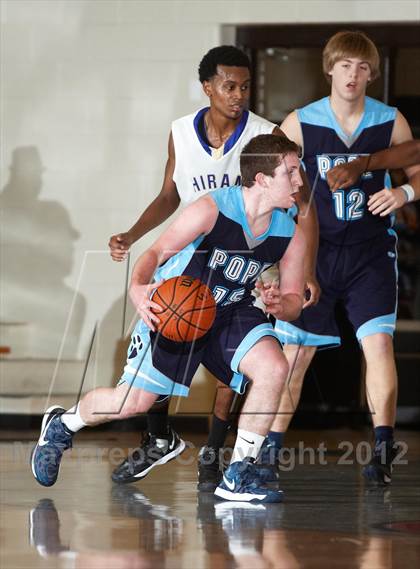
[(135, 346)]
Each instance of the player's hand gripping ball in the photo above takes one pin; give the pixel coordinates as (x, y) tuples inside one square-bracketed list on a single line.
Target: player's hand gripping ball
[(187, 310)]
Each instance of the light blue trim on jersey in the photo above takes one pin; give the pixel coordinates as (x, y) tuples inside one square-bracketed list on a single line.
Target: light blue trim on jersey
[(140, 372), (238, 381), (290, 334), (316, 113), (319, 113), (231, 204), (380, 325), (375, 113), (175, 265), (394, 234), (293, 211)]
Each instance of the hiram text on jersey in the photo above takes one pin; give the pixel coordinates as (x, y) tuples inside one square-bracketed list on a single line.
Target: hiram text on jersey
[(210, 182)]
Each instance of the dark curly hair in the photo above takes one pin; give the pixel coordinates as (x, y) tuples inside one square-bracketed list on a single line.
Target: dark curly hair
[(221, 55)]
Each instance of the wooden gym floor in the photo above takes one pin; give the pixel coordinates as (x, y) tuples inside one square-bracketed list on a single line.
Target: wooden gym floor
[(329, 517)]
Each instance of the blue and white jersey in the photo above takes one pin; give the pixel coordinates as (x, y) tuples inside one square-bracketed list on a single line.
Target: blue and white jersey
[(229, 259), (343, 216), (199, 168)]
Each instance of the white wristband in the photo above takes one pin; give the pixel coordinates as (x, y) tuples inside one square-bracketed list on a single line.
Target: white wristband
[(409, 192)]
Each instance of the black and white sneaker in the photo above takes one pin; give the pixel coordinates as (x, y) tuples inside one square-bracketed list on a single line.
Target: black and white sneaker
[(209, 470), (152, 452)]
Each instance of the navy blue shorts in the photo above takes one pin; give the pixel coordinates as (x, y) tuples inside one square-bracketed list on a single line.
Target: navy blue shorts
[(364, 278), (167, 368)]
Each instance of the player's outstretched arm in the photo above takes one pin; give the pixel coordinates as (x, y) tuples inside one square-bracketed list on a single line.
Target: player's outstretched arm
[(197, 219), (308, 222), (307, 216), (284, 300), (162, 207), (401, 156), (291, 128)]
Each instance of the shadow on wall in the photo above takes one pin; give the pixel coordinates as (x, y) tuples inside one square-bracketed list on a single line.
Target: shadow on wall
[(37, 254)]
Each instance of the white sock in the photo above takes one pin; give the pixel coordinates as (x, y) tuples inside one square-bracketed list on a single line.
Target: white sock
[(73, 420), (247, 445)]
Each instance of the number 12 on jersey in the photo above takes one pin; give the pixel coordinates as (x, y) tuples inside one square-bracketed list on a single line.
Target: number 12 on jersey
[(349, 205)]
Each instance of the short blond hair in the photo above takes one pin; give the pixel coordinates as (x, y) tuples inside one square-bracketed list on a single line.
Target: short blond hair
[(350, 44)]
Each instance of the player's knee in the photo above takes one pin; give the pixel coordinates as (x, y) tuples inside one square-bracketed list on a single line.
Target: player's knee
[(129, 401), (304, 357), (378, 345), (273, 371), (299, 358), (126, 410), (127, 405), (141, 407), (386, 342), (282, 370)]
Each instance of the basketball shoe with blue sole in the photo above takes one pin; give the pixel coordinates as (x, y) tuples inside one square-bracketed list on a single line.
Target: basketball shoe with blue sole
[(242, 483), (54, 439)]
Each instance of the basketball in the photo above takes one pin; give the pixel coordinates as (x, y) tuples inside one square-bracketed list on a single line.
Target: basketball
[(188, 308)]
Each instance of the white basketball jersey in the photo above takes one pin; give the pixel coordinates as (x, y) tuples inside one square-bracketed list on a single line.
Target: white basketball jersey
[(200, 168)]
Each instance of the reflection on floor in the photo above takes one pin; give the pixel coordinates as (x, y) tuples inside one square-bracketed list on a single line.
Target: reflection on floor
[(329, 517)]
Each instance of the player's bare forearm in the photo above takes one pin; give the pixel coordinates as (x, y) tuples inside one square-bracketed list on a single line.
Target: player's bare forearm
[(289, 307), (197, 219), (402, 155), (310, 229), (285, 299), (286, 306), (345, 175), (387, 200), (308, 222), (141, 287), (162, 207), (156, 213), (145, 268)]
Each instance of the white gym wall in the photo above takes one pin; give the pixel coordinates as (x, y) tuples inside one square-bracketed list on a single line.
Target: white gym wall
[(89, 89)]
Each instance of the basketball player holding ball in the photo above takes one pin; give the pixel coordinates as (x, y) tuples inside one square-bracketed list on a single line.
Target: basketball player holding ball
[(203, 154), (242, 346)]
